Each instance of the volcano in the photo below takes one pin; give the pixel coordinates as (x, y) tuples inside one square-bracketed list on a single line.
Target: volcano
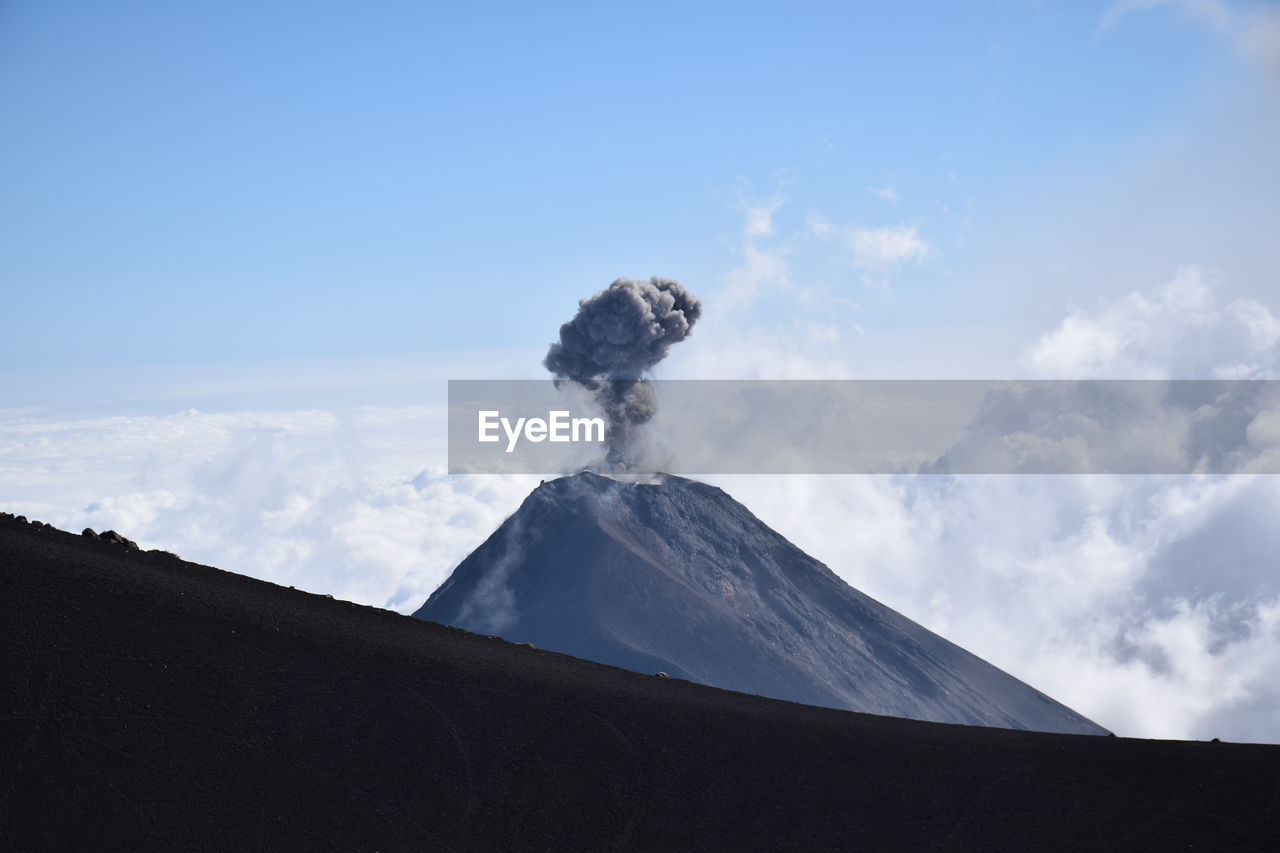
[(676, 577)]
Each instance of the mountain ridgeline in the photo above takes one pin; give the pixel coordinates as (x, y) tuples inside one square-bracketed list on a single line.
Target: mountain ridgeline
[(678, 577)]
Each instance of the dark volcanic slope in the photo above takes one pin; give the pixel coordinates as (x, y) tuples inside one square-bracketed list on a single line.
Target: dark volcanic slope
[(151, 704), (681, 578)]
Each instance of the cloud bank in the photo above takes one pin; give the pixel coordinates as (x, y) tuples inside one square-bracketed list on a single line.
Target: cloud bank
[(1150, 604), (349, 503), (1179, 330)]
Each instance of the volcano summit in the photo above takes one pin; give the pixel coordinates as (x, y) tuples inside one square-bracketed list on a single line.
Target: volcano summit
[(677, 577)]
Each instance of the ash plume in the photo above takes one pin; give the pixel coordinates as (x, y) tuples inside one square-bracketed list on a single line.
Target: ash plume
[(616, 337)]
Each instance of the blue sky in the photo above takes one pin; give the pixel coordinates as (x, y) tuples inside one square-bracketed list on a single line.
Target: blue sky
[(243, 244), (235, 182)]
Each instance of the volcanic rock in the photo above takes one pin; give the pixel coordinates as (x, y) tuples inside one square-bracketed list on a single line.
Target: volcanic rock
[(678, 577)]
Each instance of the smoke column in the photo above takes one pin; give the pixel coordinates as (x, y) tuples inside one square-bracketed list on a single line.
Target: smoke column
[(617, 336)]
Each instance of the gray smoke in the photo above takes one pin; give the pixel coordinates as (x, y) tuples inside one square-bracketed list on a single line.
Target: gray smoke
[(617, 336)]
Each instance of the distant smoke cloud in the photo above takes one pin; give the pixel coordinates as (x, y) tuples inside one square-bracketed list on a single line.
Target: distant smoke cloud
[(617, 336)]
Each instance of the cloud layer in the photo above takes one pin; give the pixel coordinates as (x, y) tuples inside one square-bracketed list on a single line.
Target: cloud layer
[(1179, 330), (1150, 604), (351, 503)]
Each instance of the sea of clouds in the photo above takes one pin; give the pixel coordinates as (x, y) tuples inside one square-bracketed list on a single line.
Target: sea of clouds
[(1150, 604)]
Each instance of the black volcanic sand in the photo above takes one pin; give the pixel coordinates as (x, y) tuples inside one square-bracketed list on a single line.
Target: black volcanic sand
[(147, 703)]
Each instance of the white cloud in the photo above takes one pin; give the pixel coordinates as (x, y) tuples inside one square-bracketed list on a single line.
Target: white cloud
[(1149, 604), (884, 193), (881, 248), (764, 264), (873, 249), (1081, 586), (762, 267), (1180, 330), (820, 226), (326, 501), (732, 343), (876, 251), (758, 218)]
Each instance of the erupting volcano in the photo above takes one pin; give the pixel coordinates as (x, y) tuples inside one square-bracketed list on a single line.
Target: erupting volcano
[(677, 577)]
